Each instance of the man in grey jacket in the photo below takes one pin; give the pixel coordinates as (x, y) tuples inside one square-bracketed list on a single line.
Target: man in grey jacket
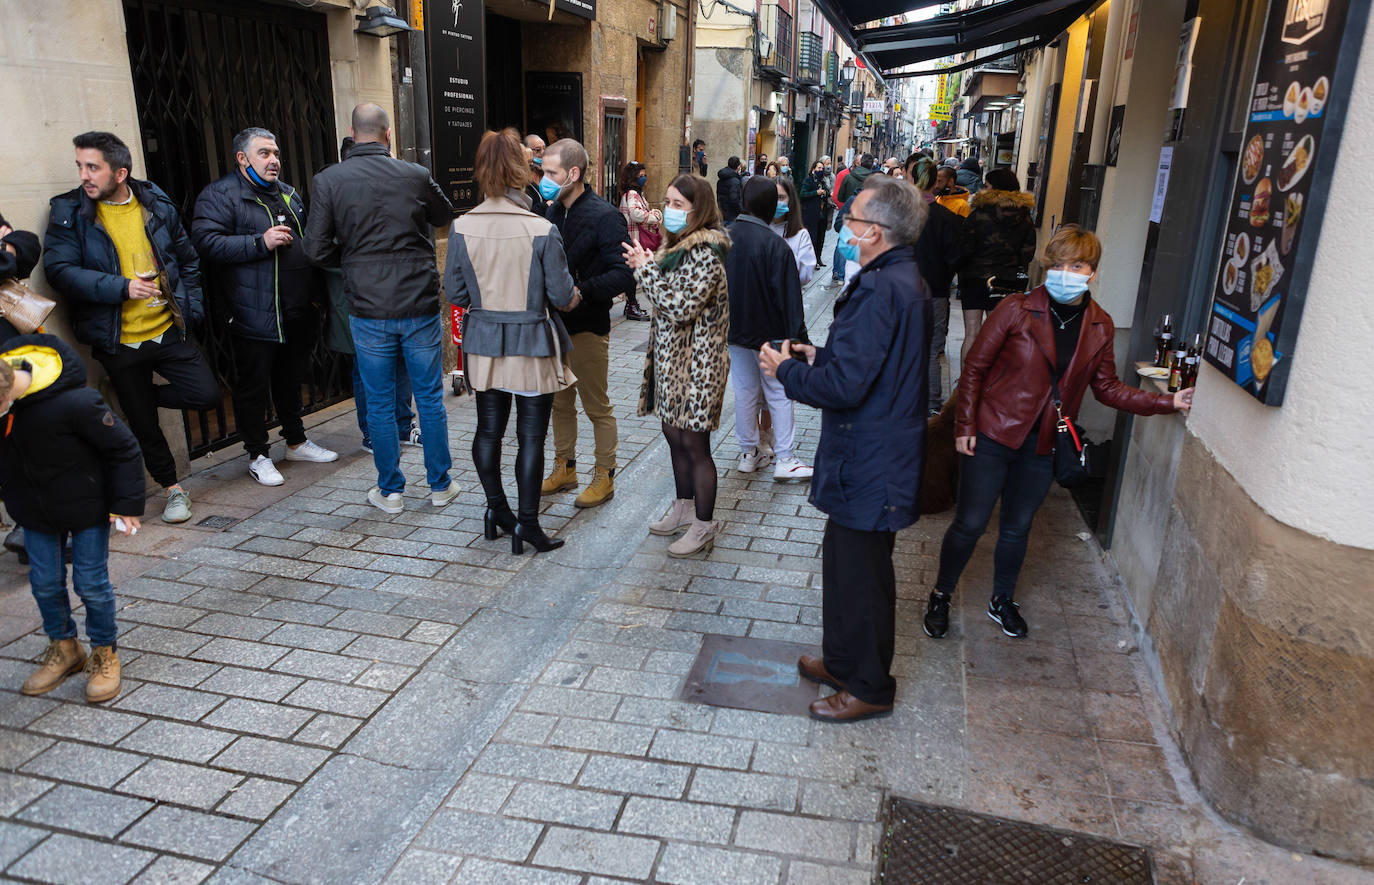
[(374, 215)]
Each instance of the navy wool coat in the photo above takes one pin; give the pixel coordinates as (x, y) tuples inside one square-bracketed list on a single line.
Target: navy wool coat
[(869, 381)]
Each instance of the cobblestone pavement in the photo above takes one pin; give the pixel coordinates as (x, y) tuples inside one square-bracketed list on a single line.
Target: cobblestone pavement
[(323, 693)]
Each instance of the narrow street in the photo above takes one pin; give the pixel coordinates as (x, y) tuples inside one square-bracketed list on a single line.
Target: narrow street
[(322, 693)]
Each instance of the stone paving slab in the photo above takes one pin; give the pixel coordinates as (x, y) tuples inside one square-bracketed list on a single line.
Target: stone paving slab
[(323, 693)]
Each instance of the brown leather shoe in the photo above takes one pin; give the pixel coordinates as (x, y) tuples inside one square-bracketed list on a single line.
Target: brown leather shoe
[(813, 668), (844, 707)]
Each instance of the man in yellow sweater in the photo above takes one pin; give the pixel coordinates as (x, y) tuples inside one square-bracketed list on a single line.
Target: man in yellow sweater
[(116, 249)]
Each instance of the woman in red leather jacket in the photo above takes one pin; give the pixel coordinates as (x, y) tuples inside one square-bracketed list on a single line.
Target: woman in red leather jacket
[(1005, 419)]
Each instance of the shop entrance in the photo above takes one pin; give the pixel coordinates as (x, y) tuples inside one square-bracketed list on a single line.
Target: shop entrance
[(505, 79), (612, 149), (195, 65)]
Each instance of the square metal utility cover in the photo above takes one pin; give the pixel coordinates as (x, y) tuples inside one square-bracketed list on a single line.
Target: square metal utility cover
[(750, 674), (217, 522), (933, 845)]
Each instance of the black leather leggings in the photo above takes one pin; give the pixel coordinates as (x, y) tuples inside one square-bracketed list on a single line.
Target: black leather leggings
[(531, 426)]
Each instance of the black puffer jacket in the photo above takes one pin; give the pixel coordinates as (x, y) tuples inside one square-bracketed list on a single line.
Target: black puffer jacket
[(66, 460), (263, 285), (375, 216), (999, 235), (939, 251), (80, 261), (594, 234), (729, 186), (16, 266)]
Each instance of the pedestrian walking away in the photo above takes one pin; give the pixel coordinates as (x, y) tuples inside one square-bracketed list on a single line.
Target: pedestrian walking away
[(594, 235), (869, 383), (687, 362), (644, 223), (765, 305), (1053, 338), (69, 469), (939, 252), (246, 226), (729, 186), (999, 242), (514, 346), (372, 216), (117, 252)]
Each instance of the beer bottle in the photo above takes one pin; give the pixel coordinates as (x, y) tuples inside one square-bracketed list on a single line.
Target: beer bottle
[(1193, 361), (1164, 340)]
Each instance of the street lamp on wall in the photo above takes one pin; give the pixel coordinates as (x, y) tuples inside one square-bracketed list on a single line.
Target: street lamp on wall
[(847, 72), (380, 21)]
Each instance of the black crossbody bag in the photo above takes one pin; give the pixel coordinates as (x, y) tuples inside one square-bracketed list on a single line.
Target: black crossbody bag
[(1075, 459)]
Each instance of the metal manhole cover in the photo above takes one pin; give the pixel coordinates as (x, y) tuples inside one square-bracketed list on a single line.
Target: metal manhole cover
[(749, 674), (216, 522), (932, 845)]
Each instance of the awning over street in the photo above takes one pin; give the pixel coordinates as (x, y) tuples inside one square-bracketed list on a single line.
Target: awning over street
[(1022, 23)]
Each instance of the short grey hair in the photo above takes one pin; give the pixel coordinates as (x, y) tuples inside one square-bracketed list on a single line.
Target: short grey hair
[(898, 206), (245, 138), (570, 153)]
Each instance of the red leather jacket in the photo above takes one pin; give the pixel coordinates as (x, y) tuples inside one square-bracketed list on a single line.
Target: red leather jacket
[(1005, 385)]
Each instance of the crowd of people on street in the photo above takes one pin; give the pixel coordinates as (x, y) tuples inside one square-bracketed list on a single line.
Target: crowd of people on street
[(717, 273)]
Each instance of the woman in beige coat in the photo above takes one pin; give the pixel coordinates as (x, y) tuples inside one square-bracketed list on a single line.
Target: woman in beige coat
[(687, 364), (506, 266)]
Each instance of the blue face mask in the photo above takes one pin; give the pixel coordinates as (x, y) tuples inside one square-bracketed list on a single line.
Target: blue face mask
[(1065, 286), (675, 219), (849, 243), (642, 180), (780, 211), (549, 189), (539, 161), (257, 179)]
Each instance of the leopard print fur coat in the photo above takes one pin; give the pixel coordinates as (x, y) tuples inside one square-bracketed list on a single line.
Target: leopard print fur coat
[(687, 364)]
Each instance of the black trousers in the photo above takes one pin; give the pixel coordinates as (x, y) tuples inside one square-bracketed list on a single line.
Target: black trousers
[(813, 217), (859, 610), (190, 385), (531, 427), (278, 369)]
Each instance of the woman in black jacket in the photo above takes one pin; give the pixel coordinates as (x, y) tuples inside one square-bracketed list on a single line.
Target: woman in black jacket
[(999, 241), (814, 191), (939, 252)]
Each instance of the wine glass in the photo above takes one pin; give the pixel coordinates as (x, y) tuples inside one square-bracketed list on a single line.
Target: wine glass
[(145, 268)]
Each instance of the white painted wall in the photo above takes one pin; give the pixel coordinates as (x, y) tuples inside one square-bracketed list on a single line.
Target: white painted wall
[(1310, 463)]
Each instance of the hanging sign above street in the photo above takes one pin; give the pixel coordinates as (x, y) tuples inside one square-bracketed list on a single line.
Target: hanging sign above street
[(941, 111), (873, 105)]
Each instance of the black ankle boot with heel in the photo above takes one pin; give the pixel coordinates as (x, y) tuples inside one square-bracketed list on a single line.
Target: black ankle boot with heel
[(497, 520), (533, 535)]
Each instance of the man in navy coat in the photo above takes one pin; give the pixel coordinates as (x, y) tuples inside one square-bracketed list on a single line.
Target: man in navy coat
[(869, 381)]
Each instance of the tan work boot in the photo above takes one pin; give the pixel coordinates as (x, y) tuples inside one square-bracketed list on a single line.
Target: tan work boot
[(679, 516), (62, 658), (600, 490), (103, 665), (564, 476), (701, 536)]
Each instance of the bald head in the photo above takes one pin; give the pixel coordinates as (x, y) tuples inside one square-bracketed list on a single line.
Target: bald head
[(371, 123), (535, 144)]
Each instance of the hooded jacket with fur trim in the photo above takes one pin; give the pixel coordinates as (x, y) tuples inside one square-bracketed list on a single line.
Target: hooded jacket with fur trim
[(66, 460), (999, 235), (688, 362)]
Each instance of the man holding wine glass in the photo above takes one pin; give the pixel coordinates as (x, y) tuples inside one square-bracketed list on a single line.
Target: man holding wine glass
[(116, 250), (246, 225)]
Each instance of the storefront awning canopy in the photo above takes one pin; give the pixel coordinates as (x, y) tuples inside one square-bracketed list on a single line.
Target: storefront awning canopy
[(1025, 22)]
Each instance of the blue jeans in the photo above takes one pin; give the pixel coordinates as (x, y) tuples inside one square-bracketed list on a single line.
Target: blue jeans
[(90, 579), (404, 416), (1021, 479), (837, 264), (379, 344)]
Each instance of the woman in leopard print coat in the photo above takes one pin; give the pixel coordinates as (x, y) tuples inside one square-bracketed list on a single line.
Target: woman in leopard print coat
[(688, 364)]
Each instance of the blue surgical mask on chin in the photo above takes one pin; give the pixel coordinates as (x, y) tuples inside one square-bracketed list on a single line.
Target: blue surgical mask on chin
[(548, 188), (849, 243), (675, 220), (538, 161), (1065, 286), (780, 211)]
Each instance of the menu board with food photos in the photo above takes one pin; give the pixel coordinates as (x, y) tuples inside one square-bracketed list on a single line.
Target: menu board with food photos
[(1297, 109)]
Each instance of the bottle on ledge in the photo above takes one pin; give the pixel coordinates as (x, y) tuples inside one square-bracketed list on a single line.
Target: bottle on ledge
[(1164, 339), (1193, 361)]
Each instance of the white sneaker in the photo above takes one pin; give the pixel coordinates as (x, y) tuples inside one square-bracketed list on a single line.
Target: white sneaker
[(439, 499), (264, 471), (309, 451), (751, 461), (412, 437), (386, 503), (792, 468)]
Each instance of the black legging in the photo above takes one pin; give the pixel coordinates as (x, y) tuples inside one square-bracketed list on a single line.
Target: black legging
[(531, 426), (694, 472)]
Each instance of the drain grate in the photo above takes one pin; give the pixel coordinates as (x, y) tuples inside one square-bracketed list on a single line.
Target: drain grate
[(932, 845), (216, 522)]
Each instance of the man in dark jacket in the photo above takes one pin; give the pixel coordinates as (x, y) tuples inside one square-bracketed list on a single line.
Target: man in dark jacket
[(970, 175), (19, 251), (765, 305), (117, 251), (594, 234), (374, 215), (869, 382), (729, 187), (247, 224), (68, 467)]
